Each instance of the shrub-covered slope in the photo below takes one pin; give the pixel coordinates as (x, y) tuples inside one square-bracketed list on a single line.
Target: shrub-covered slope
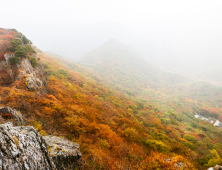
[(116, 130)]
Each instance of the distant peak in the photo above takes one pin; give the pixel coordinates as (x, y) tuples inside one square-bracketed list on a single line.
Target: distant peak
[(112, 41)]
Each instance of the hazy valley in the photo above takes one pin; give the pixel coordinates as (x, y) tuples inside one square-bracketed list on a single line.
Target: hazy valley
[(111, 110)]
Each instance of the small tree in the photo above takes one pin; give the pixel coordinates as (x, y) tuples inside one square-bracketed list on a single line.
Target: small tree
[(21, 52), (29, 48), (34, 62), (24, 39), (14, 60), (15, 44)]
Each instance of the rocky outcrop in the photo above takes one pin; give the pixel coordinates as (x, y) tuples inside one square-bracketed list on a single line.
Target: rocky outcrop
[(23, 148), (34, 76), (217, 167), (7, 57), (8, 113), (33, 83), (65, 154), (25, 68), (177, 165)]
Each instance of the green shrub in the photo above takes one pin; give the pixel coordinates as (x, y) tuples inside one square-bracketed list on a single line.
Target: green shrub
[(190, 145), (29, 48), (34, 62), (157, 145), (161, 136), (47, 66), (174, 122), (24, 39), (15, 44), (14, 60), (64, 72), (21, 52), (190, 138), (213, 158), (194, 125)]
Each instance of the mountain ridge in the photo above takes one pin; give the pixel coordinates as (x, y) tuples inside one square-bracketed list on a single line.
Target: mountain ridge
[(114, 61)]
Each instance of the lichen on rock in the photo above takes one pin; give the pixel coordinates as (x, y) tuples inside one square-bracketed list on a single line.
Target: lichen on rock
[(216, 167), (22, 147), (65, 154)]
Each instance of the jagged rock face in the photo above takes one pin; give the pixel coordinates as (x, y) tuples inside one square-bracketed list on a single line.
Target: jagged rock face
[(7, 57), (25, 68), (8, 113), (22, 147), (65, 154), (33, 76), (33, 82), (217, 167)]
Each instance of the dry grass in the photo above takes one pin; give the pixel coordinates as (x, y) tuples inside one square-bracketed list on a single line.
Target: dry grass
[(16, 141)]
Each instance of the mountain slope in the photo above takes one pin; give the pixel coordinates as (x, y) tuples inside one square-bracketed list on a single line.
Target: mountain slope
[(116, 130), (128, 72), (122, 65), (208, 73)]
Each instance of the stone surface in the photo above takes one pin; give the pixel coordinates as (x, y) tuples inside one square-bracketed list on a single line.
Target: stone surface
[(8, 113), (65, 154), (33, 83), (217, 167), (177, 165), (211, 168), (23, 148), (7, 57), (25, 68), (180, 165), (34, 76)]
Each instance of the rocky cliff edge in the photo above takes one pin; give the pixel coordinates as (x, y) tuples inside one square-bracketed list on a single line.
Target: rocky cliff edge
[(23, 148)]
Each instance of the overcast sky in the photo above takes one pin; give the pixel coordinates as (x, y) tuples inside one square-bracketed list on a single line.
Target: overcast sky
[(163, 31)]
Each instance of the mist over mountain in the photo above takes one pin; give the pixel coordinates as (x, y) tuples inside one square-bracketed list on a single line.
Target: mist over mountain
[(129, 84), (188, 52), (114, 99), (122, 64), (127, 70)]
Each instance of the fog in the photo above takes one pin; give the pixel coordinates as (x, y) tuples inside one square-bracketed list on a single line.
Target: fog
[(170, 34)]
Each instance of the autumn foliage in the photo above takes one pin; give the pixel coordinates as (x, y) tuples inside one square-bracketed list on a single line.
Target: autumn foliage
[(5, 37), (115, 130)]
